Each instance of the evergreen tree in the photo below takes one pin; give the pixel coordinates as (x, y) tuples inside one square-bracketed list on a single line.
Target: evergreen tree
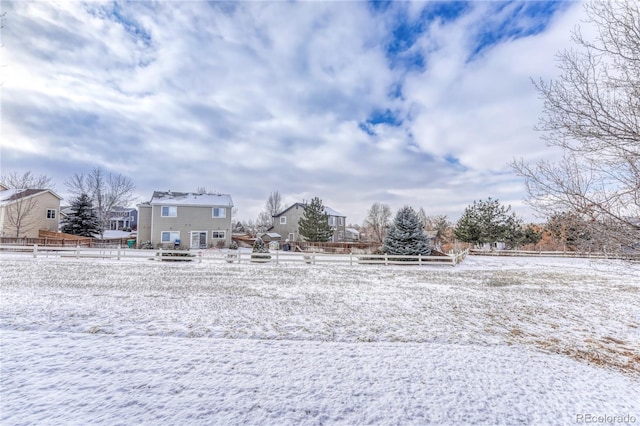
[(488, 222), (82, 220), (314, 223), (468, 228), (406, 235)]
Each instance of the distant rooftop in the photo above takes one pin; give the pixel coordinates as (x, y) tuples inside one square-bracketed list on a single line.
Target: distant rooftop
[(327, 210)]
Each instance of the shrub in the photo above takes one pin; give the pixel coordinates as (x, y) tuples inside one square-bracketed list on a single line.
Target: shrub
[(260, 251)]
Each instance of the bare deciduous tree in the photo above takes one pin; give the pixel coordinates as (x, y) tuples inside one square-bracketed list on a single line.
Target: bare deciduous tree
[(18, 212), (442, 227), (26, 181), (272, 207), (378, 220), (106, 191), (592, 112)]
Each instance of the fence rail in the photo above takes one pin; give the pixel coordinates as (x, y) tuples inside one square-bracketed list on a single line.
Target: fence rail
[(540, 253), (232, 256)]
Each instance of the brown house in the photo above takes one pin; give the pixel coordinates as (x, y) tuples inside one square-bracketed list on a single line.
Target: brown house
[(24, 212)]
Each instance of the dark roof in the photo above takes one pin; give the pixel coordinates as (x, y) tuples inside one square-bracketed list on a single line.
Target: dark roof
[(24, 193)]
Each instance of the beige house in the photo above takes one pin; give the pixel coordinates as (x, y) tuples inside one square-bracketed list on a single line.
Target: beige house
[(185, 220), (285, 223), (24, 212)]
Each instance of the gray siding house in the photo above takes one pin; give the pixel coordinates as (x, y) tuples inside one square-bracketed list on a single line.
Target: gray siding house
[(286, 223), (185, 220)]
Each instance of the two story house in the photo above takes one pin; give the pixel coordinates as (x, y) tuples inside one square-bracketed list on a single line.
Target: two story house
[(285, 223), (185, 220), (123, 218), (24, 212)]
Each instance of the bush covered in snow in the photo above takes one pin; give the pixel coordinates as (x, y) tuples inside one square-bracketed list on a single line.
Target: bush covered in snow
[(260, 251)]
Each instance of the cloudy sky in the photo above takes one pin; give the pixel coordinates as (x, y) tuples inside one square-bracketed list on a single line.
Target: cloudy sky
[(404, 103)]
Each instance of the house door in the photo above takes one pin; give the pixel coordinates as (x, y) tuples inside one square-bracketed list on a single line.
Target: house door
[(198, 240)]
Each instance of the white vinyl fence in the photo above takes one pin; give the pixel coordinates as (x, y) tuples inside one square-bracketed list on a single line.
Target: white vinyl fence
[(233, 256)]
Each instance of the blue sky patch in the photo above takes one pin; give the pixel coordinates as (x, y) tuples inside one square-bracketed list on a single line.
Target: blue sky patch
[(115, 13), (405, 32), (380, 117), (526, 19)]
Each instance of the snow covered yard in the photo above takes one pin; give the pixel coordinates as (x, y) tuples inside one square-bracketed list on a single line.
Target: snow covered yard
[(494, 340)]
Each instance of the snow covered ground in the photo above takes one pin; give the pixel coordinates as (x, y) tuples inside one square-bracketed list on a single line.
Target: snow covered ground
[(493, 340)]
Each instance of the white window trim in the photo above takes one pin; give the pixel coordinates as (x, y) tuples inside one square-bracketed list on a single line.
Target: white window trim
[(283, 220), (220, 209), (224, 235), (171, 240), (52, 213), (341, 221), (332, 221), (170, 209)]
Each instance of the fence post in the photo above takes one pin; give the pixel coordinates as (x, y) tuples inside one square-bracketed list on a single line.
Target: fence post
[(313, 258), (419, 258), (350, 259), (386, 259), (118, 251), (35, 250), (160, 254), (276, 257), (77, 250)]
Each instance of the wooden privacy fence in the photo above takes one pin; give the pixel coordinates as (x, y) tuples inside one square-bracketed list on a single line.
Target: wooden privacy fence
[(64, 242), (233, 256)]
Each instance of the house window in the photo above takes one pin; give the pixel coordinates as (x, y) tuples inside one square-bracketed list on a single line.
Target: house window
[(219, 212), (283, 220), (218, 235), (170, 236), (292, 236), (332, 221), (51, 213), (169, 211), (341, 221)]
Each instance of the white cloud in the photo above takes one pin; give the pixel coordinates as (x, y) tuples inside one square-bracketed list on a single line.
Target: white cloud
[(250, 97)]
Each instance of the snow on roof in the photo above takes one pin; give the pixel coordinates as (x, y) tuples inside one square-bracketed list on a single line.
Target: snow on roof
[(190, 199), (332, 212)]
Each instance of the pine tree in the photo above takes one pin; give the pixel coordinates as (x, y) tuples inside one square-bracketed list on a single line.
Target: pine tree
[(314, 223), (488, 221), (82, 220), (406, 235)]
